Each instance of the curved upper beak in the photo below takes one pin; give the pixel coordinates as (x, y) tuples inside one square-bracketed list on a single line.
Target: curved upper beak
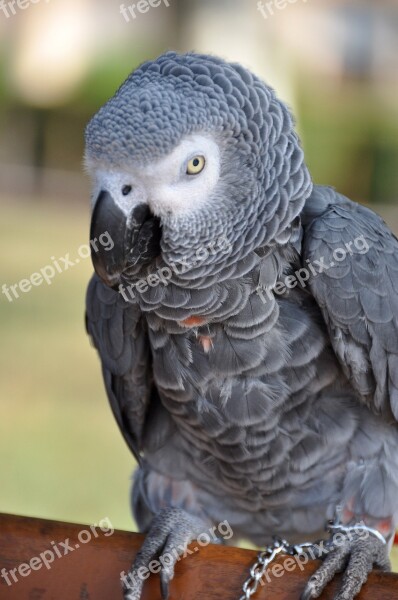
[(136, 239)]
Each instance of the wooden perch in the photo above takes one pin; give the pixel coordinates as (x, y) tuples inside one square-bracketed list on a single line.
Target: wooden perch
[(92, 570)]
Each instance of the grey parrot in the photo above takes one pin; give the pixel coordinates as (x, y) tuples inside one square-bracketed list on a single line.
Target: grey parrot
[(246, 321)]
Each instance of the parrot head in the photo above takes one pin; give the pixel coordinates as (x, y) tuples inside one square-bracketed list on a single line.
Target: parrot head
[(189, 149)]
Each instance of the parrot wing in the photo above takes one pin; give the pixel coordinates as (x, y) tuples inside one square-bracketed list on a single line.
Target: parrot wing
[(356, 286), (118, 333)]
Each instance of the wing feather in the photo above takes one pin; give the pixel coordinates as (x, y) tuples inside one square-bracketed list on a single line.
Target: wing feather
[(358, 293), (118, 333)]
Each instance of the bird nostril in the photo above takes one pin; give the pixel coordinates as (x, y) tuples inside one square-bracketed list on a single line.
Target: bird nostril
[(126, 189)]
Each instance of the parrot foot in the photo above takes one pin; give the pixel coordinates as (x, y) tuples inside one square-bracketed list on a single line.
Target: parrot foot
[(355, 555), (172, 529)]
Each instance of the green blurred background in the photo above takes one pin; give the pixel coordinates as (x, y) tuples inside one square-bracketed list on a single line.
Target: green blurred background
[(335, 63)]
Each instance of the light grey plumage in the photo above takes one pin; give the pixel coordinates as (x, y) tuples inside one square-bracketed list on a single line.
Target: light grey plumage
[(241, 403)]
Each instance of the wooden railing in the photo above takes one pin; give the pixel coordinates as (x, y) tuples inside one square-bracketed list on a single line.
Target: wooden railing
[(90, 570)]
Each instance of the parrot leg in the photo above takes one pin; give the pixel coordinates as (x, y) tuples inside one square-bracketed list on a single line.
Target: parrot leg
[(355, 555), (172, 529)]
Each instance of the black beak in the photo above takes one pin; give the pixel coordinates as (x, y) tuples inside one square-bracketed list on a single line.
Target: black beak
[(136, 239)]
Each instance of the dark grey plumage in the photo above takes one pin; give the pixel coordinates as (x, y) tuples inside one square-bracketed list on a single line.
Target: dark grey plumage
[(271, 409)]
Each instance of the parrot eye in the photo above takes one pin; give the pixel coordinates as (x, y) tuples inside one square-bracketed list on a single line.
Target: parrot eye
[(195, 165)]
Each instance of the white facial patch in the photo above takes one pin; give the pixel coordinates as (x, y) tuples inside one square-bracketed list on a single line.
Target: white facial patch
[(164, 184)]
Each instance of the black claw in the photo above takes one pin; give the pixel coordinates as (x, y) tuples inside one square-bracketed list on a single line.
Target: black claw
[(306, 595), (164, 587)]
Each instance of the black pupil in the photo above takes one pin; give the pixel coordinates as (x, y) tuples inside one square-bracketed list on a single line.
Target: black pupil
[(195, 162), (126, 189)]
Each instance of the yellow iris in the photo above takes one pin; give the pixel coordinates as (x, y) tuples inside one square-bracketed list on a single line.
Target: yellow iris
[(195, 165)]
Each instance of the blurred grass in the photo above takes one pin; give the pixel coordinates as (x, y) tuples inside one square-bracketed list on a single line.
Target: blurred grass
[(61, 454), (350, 140)]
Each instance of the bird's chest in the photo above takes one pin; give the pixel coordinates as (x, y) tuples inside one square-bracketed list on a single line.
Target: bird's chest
[(245, 409), (215, 387), (189, 364)]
